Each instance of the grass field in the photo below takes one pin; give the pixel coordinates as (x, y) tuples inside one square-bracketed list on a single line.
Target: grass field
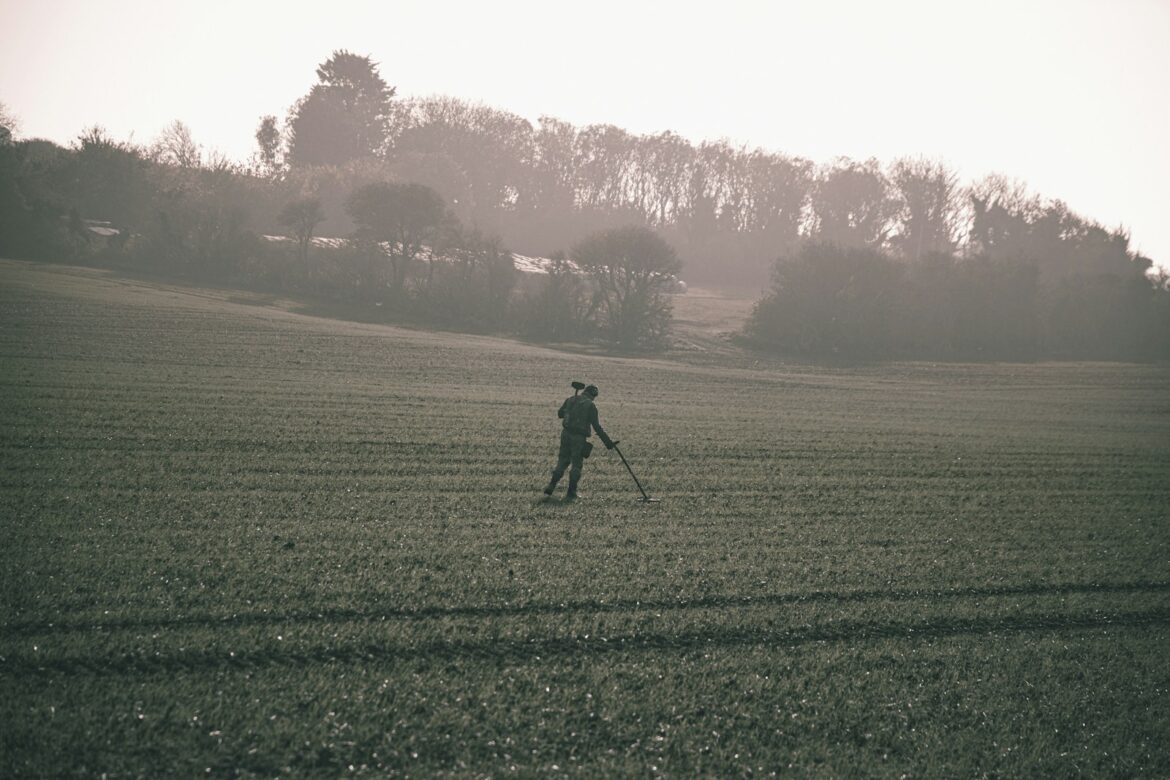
[(239, 540)]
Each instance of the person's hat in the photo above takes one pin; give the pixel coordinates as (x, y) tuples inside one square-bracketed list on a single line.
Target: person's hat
[(591, 390)]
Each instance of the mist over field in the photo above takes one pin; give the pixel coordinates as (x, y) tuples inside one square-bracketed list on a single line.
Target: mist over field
[(879, 482)]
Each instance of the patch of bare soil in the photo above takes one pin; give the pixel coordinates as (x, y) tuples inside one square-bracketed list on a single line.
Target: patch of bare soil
[(706, 322)]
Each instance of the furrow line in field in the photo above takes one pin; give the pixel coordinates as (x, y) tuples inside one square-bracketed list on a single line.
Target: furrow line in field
[(374, 615), (520, 650)]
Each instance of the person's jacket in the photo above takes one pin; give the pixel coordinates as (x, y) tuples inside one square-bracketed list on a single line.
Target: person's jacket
[(579, 415)]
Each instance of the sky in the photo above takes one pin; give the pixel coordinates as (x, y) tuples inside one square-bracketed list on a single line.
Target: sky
[(1072, 97)]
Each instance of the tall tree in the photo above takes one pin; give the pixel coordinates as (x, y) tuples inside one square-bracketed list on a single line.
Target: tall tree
[(554, 143), (344, 116), (603, 165), (665, 160), (268, 143)]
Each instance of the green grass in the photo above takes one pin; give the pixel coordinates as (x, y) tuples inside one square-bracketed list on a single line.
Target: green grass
[(244, 541)]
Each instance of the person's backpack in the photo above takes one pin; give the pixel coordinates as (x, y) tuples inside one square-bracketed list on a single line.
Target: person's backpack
[(578, 414)]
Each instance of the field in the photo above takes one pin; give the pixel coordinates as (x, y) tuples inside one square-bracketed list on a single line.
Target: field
[(238, 540)]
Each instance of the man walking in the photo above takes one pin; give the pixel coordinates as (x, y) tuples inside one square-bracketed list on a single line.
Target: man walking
[(579, 417)]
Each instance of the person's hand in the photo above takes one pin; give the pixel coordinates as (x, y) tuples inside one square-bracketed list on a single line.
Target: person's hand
[(612, 444)]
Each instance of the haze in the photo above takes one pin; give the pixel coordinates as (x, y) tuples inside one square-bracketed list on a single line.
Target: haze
[(1070, 97)]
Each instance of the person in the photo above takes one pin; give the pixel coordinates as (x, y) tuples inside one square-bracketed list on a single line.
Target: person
[(578, 418)]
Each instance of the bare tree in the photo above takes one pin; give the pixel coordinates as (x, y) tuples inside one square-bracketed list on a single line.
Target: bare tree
[(8, 125), (175, 146)]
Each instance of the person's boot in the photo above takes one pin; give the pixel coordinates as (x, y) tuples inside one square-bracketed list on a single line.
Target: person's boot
[(571, 495), (552, 485)]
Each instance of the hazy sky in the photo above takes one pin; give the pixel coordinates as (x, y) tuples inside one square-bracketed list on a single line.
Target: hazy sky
[(1072, 97)]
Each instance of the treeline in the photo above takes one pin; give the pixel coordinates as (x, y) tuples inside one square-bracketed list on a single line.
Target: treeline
[(404, 256), (728, 210), (982, 271), (979, 271), (888, 260), (1030, 280)]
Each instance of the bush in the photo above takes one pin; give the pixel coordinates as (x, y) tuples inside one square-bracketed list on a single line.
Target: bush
[(828, 300), (556, 308)]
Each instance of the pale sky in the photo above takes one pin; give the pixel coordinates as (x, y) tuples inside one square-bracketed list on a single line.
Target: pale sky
[(1070, 96)]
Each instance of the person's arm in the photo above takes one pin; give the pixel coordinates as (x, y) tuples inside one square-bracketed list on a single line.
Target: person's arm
[(564, 407), (608, 442)]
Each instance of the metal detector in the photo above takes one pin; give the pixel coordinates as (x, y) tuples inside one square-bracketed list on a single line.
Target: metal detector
[(645, 499)]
